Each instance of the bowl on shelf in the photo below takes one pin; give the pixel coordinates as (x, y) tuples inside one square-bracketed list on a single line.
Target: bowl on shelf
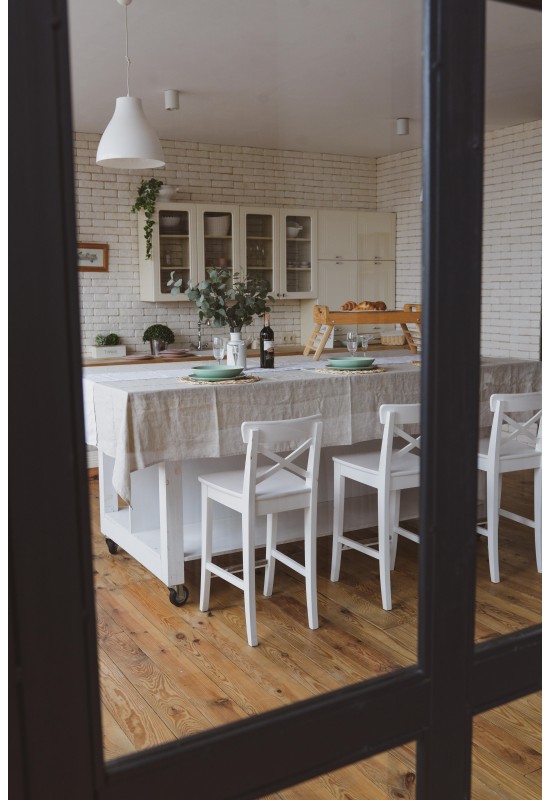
[(293, 231), (170, 221), (217, 225)]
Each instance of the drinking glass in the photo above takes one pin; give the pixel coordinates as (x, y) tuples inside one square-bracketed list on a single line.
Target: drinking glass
[(351, 342), (365, 339), (218, 348)]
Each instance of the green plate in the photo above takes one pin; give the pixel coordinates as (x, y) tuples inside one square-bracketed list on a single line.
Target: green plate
[(344, 367), (216, 373), (210, 366), (351, 362)]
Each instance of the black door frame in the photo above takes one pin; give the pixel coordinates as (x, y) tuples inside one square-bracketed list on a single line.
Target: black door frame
[(54, 694)]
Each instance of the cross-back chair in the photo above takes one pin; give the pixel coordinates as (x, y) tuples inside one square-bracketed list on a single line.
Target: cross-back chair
[(283, 485), (394, 468), (512, 446)]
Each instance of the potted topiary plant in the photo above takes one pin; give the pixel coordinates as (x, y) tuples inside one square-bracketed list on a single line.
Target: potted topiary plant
[(158, 337), (145, 201)]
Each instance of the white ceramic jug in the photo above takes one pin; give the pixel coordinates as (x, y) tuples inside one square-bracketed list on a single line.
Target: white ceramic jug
[(236, 350)]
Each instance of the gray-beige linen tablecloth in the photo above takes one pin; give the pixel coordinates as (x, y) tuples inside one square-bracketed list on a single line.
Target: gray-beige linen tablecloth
[(142, 415)]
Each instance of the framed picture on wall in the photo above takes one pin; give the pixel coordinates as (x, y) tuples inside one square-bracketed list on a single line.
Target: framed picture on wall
[(92, 257)]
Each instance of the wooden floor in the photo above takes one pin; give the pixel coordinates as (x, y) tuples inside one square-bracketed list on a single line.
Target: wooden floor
[(168, 672)]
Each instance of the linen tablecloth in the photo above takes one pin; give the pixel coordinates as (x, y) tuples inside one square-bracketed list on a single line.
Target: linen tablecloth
[(142, 415)]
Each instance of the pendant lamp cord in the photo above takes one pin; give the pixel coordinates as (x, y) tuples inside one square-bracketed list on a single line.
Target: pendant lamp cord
[(127, 56)]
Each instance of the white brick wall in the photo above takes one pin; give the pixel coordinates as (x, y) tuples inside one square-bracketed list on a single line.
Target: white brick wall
[(204, 173), (247, 175), (512, 249)]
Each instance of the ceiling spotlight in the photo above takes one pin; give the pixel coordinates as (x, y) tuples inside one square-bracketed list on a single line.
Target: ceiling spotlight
[(171, 100), (129, 141), (402, 126)]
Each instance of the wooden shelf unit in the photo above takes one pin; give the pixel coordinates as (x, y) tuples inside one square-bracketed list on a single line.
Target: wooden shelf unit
[(410, 315)]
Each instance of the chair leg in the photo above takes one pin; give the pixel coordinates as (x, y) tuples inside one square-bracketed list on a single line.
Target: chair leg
[(538, 517), (310, 560), (494, 483), (395, 504), (206, 548), (338, 522), (384, 521), (270, 546), (249, 573)]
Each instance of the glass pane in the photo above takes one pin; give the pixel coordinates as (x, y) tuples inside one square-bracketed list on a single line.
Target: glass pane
[(174, 251), (298, 254), (509, 591), (387, 776), (218, 240), (259, 246), (507, 747)]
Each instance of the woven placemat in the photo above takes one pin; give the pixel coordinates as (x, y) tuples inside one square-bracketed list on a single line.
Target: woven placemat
[(329, 371), (244, 379)]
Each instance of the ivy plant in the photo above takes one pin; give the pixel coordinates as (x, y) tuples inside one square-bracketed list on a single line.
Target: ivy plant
[(145, 201)]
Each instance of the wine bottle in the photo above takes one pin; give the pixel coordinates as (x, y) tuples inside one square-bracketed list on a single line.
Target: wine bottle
[(267, 345)]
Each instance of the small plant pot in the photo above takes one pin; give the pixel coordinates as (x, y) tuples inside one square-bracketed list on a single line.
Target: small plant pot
[(157, 345)]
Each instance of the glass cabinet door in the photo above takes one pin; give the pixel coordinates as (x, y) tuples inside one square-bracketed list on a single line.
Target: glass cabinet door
[(259, 243), (218, 238), (174, 251), (299, 263)]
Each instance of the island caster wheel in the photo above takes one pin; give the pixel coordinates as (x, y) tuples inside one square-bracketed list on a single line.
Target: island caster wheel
[(113, 546), (179, 596)]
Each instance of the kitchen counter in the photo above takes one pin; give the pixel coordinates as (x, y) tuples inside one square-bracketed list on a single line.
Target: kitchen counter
[(206, 355)]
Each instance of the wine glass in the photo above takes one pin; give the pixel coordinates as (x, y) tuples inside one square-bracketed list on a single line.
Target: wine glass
[(218, 348), (351, 342), (365, 339)]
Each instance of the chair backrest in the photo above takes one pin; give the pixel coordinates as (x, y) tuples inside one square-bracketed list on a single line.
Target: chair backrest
[(295, 435), (393, 417), (506, 429)]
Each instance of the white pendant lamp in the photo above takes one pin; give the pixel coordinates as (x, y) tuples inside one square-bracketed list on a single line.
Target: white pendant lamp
[(129, 141)]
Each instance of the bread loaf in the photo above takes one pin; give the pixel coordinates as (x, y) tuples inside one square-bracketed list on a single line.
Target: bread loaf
[(364, 305)]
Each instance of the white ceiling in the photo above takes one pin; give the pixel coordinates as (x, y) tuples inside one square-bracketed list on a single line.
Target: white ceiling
[(326, 76)]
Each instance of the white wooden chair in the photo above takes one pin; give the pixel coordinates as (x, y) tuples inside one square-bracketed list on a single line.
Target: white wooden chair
[(389, 471), (512, 446), (267, 490)]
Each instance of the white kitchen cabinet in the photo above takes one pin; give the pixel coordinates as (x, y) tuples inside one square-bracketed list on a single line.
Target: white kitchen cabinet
[(297, 275), (376, 281), (218, 238), (337, 282), (260, 243), (340, 281), (337, 235), (174, 253), (376, 235)]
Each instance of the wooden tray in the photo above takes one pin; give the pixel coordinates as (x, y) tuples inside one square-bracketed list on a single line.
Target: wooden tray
[(322, 315)]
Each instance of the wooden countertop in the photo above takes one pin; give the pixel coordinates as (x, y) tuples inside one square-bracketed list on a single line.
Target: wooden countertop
[(206, 355)]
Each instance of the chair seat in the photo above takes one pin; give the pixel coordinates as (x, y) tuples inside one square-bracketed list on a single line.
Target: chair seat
[(407, 464), (283, 483), (509, 451)]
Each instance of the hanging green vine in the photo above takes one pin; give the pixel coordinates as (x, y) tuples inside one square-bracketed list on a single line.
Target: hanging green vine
[(145, 201)]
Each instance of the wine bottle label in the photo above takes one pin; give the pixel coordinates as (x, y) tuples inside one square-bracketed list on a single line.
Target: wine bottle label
[(269, 345)]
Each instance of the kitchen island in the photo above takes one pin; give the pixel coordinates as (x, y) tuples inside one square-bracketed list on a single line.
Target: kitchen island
[(155, 434)]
